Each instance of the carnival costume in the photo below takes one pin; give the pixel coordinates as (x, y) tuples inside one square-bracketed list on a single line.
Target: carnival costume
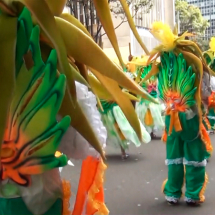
[(119, 130), (149, 113), (209, 56), (187, 142), (33, 136), (39, 80)]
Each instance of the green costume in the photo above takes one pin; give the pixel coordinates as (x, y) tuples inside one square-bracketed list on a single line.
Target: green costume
[(211, 117), (185, 146), (33, 133), (182, 85), (119, 130)]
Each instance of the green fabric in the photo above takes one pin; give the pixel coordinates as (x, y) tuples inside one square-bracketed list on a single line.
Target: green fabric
[(16, 206), (113, 137), (187, 145), (211, 112)]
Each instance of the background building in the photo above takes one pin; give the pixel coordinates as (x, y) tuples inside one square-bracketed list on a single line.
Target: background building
[(207, 8)]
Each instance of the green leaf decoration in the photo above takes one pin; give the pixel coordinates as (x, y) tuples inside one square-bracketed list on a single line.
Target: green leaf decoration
[(7, 68), (175, 77), (33, 135)]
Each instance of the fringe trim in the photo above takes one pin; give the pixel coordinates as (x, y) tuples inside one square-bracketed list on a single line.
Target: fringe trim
[(66, 197), (97, 184), (174, 161), (195, 163), (207, 122), (201, 194), (206, 139), (163, 185)]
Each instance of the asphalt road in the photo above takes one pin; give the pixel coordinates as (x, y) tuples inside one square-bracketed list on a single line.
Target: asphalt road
[(133, 187)]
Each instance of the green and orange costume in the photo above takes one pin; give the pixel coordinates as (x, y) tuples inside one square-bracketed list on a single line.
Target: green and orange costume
[(209, 56), (181, 87), (30, 181)]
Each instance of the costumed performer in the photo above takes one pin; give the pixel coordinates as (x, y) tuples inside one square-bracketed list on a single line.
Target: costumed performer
[(182, 85)]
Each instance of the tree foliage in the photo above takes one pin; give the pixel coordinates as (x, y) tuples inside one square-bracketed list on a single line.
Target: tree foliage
[(191, 19), (141, 6)]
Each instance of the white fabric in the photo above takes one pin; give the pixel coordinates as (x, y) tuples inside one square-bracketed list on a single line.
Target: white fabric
[(174, 161), (189, 200), (171, 199), (195, 163), (212, 82), (75, 146)]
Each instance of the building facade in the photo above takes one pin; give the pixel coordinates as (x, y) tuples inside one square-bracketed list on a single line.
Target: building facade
[(207, 8)]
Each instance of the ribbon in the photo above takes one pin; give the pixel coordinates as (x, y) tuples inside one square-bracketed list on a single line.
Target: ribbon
[(174, 121)]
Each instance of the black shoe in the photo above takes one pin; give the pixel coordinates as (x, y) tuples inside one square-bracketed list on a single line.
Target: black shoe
[(193, 204)]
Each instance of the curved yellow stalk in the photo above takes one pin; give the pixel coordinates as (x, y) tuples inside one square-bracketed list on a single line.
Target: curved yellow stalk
[(39, 8), (197, 65), (83, 49), (132, 25), (103, 12), (71, 19), (103, 93), (7, 69), (98, 89), (56, 6)]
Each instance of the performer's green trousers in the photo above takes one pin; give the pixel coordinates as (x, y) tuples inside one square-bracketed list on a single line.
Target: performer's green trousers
[(16, 206), (186, 161), (211, 113)]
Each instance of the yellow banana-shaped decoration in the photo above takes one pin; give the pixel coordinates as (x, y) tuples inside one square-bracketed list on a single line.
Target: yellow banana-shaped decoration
[(38, 8), (98, 89), (7, 68), (197, 67), (154, 71), (131, 97), (77, 76), (103, 12), (56, 6), (132, 25), (121, 99), (82, 69), (102, 92), (71, 19), (83, 49)]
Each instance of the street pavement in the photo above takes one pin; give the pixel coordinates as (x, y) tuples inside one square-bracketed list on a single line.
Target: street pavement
[(133, 186)]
